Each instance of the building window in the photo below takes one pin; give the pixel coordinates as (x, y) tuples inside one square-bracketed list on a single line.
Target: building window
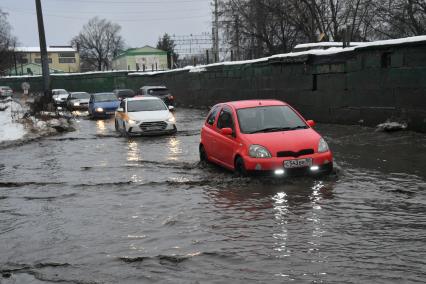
[(38, 60), (67, 54), (66, 60)]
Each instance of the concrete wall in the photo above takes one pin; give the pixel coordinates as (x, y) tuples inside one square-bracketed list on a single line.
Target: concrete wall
[(367, 85)]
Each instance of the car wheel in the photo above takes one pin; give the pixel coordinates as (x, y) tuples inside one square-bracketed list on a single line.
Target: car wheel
[(239, 166), (203, 154)]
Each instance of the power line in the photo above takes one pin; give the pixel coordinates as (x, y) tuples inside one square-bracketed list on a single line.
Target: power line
[(118, 20)]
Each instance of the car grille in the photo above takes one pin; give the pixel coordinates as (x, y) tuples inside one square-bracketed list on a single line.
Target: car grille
[(153, 126), (295, 154)]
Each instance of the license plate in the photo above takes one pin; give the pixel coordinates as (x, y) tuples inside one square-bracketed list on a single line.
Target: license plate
[(300, 163), (109, 112), (152, 128)]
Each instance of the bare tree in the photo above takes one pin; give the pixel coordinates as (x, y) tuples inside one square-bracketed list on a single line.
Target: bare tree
[(7, 43), (98, 43)]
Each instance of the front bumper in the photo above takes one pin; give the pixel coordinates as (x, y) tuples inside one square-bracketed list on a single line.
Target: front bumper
[(136, 129), (268, 166)]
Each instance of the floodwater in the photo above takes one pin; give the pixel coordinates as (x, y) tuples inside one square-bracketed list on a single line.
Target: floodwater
[(93, 207)]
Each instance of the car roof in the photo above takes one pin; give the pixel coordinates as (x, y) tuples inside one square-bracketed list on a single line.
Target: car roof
[(58, 90), (254, 103), (154, 87), (4, 87), (118, 90), (142, 98), (72, 93), (104, 93)]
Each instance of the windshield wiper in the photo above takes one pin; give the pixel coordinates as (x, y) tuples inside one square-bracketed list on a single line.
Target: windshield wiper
[(276, 129), (271, 129)]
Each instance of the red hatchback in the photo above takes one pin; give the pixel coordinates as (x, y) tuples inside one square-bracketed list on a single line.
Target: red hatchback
[(263, 136)]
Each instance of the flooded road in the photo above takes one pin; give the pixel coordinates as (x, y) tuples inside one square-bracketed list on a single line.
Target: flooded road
[(93, 207)]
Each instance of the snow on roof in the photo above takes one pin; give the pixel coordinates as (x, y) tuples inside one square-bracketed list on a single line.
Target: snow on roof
[(317, 52), (49, 49), (326, 44)]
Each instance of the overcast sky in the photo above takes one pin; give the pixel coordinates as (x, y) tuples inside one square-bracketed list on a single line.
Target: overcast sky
[(142, 21)]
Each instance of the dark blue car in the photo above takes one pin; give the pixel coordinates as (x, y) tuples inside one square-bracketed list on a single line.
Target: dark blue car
[(103, 105)]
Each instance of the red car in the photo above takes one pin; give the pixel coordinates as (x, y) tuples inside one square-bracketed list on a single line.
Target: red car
[(263, 136)]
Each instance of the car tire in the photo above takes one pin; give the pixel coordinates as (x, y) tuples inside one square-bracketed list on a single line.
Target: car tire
[(203, 154), (239, 166)]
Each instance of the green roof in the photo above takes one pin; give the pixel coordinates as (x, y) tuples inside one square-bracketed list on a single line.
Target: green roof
[(146, 50)]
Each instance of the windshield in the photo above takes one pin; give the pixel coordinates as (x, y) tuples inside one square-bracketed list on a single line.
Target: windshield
[(126, 93), (269, 119), (145, 105), (60, 92), (80, 96), (107, 97), (158, 91)]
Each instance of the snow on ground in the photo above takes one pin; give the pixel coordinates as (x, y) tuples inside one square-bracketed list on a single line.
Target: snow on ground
[(10, 130)]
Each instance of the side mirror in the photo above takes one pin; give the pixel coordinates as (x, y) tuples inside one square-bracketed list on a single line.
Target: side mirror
[(226, 131), (171, 108), (120, 109), (311, 123)]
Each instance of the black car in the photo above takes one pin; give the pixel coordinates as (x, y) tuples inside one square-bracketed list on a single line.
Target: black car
[(159, 91), (124, 93)]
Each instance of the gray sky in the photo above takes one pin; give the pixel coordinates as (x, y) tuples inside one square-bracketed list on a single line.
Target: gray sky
[(142, 21)]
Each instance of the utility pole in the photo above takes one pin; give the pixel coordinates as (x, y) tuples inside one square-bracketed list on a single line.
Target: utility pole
[(43, 53), (216, 32)]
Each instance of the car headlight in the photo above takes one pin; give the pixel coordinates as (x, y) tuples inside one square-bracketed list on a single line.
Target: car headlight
[(257, 151), (322, 146), (131, 121), (171, 119), (99, 109), (76, 104)]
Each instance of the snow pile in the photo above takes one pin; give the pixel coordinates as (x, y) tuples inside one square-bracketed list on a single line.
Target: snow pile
[(9, 130), (390, 126)]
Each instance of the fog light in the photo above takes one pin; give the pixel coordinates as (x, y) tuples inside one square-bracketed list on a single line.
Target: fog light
[(279, 172), (314, 168)]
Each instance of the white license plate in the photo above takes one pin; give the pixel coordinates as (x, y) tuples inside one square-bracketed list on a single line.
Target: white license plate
[(109, 112), (300, 163)]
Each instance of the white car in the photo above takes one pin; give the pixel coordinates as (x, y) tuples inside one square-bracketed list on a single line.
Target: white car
[(60, 96), (145, 116), (5, 91)]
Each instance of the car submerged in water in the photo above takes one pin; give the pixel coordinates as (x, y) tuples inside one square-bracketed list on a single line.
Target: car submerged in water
[(161, 92), (263, 137), (144, 115), (103, 105)]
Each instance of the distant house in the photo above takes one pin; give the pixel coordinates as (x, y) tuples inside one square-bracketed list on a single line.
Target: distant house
[(29, 69), (62, 58), (145, 58)]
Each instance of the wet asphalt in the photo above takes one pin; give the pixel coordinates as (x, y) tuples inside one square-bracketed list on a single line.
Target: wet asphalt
[(94, 207)]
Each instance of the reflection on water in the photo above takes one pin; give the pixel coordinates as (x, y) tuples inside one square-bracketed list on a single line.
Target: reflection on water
[(175, 149), (133, 151), (101, 127), (281, 214)]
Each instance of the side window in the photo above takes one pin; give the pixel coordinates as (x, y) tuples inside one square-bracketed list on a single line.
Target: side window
[(225, 119), (212, 116)]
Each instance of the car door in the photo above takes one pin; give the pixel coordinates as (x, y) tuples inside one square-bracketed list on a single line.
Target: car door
[(208, 134), (226, 144)]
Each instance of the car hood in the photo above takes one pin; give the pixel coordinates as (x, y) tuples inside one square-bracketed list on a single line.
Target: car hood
[(82, 101), (113, 104), (293, 140), (159, 115)]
